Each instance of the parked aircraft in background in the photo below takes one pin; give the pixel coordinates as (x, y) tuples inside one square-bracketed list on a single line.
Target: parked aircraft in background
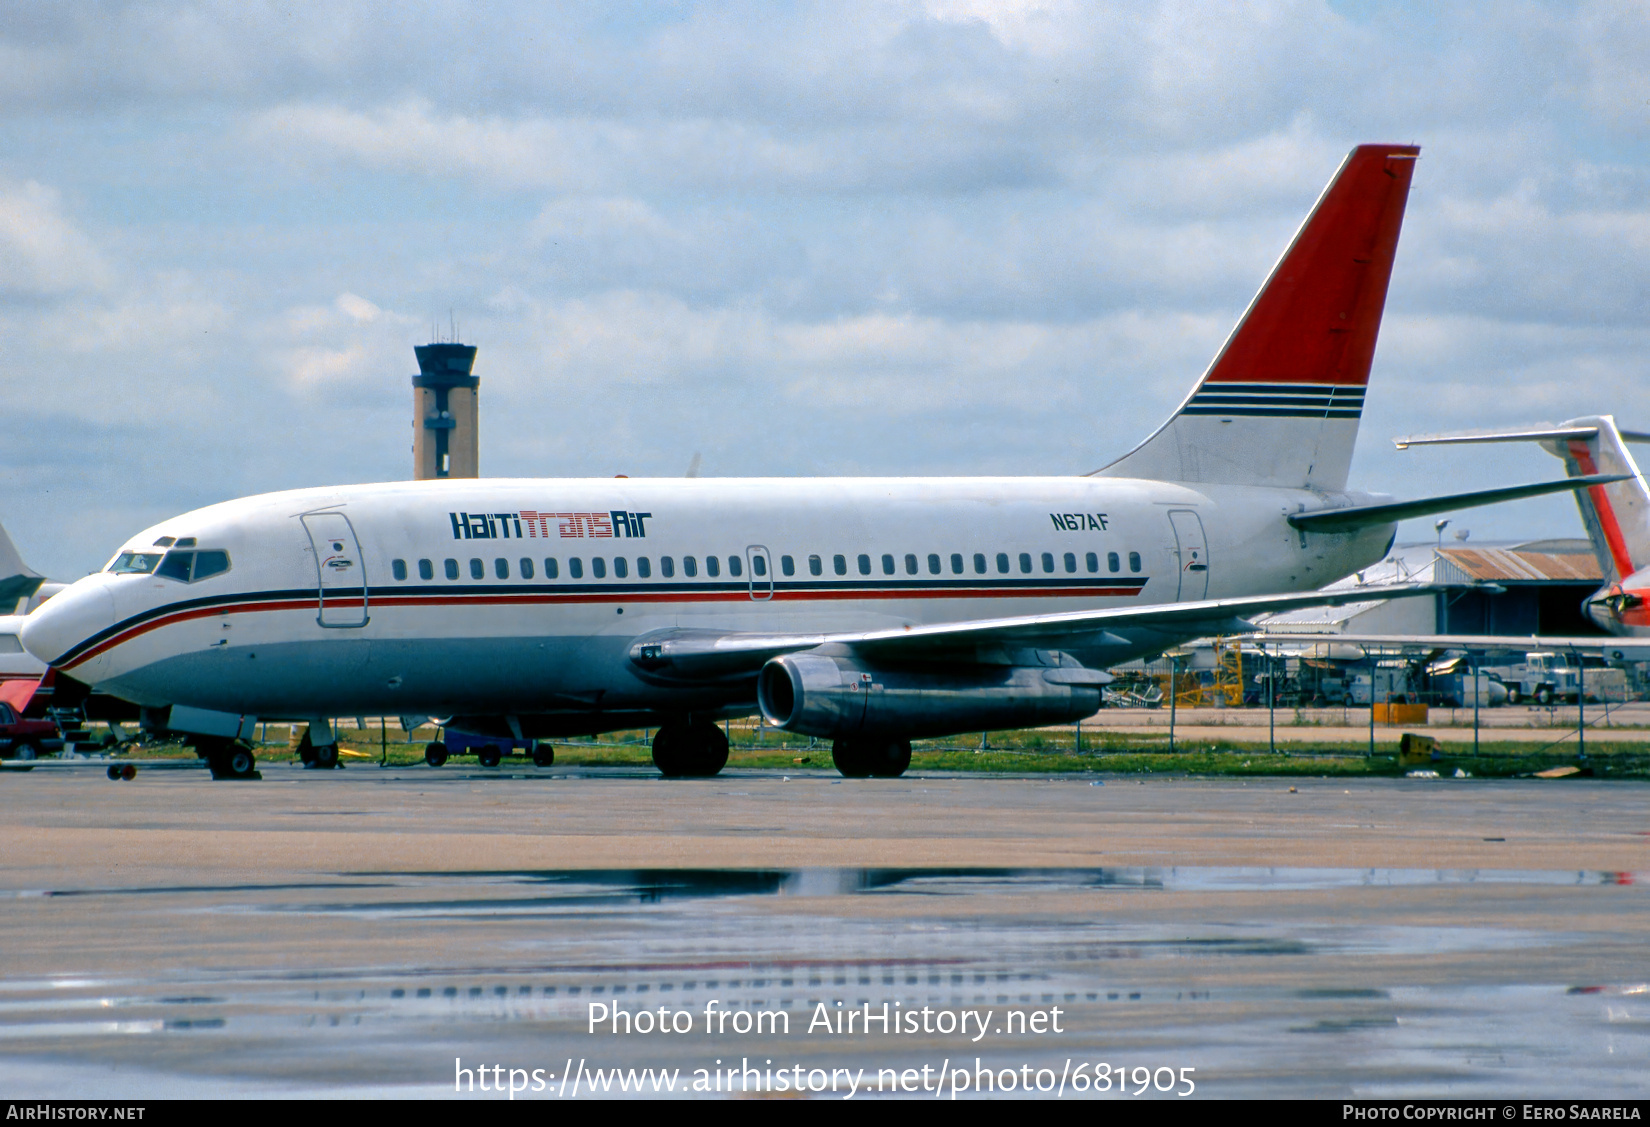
[(1616, 514), (869, 611)]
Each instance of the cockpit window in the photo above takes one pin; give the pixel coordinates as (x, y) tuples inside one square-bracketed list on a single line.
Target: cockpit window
[(165, 542), (176, 566), (134, 563), (192, 567), (209, 563)]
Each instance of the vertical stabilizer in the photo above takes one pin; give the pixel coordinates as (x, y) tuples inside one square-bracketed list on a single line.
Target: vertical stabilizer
[(1617, 515), (1281, 402), (17, 579)]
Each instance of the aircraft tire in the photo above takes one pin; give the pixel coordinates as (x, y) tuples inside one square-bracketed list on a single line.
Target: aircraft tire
[(326, 757), (889, 758), (488, 756), (850, 759), (696, 749), (710, 749), (114, 774), (544, 755), (435, 754)]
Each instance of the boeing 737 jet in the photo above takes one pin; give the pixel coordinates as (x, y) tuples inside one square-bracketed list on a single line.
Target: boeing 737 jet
[(867, 611)]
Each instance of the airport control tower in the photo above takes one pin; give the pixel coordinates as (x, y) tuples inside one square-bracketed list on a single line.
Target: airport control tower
[(445, 442)]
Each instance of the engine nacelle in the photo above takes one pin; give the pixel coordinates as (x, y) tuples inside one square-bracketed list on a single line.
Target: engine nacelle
[(835, 697)]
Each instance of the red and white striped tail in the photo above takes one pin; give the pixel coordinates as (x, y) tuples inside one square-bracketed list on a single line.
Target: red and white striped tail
[(1281, 402), (1617, 515)]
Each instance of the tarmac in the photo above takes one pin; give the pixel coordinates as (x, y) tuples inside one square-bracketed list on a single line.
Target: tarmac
[(376, 932)]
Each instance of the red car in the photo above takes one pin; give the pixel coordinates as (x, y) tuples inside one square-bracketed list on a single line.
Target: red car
[(26, 739)]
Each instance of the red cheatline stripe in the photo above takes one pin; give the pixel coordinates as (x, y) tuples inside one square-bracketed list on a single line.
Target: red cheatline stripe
[(545, 600), (1606, 513)]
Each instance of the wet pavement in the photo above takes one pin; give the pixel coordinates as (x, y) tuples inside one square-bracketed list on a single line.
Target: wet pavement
[(371, 932)]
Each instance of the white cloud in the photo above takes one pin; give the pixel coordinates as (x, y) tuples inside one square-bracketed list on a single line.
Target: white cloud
[(42, 253)]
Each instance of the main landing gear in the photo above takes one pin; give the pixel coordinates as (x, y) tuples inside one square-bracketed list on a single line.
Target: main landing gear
[(318, 757), (880, 757), (227, 759), (690, 748)]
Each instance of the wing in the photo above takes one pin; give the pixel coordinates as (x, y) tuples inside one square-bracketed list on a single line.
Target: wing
[(702, 655)]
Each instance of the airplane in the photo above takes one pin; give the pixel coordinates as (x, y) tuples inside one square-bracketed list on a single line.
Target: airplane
[(867, 611), (1616, 515)]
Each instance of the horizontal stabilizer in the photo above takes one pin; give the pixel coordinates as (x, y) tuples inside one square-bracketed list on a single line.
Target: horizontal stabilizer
[(1363, 516), (1531, 434)]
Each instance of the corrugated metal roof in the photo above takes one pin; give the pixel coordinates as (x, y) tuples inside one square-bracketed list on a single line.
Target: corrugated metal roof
[(1516, 565)]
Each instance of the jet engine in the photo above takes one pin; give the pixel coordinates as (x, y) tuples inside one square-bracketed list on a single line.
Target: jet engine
[(834, 697)]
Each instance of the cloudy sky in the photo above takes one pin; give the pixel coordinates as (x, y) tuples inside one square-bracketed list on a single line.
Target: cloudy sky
[(943, 236)]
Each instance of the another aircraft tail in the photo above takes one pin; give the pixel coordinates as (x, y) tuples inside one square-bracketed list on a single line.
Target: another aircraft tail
[(1617, 516), (17, 579), (1281, 402)]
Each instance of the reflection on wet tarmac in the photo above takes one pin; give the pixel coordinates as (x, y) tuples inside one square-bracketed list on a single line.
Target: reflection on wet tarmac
[(507, 964)]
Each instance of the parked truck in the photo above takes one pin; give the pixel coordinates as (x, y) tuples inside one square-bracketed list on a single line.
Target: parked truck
[(1547, 676)]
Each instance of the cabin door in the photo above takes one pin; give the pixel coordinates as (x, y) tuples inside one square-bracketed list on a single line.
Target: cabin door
[(1193, 554), (341, 574)]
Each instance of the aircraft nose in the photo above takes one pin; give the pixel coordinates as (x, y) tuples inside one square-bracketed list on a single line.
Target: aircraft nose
[(66, 619)]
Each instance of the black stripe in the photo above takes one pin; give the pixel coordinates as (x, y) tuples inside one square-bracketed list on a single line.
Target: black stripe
[(1272, 412), (434, 589)]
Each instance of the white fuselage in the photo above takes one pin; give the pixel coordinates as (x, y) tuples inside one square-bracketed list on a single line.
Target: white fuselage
[(521, 596)]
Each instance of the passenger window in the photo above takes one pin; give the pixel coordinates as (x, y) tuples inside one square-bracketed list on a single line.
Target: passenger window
[(1134, 561), (575, 567), (713, 566), (398, 568), (1092, 562), (598, 568), (216, 563), (644, 569), (1025, 563), (526, 568), (979, 563), (864, 562), (1112, 563), (621, 569), (477, 571), (735, 566), (759, 566), (1002, 562), (814, 566), (550, 569), (1048, 562), (1071, 562), (787, 565), (451, 568), (887, 564), (956, 563), (176, 566), (690, 566), (501, 568), (840, 564), (667, 566), (426, 569)]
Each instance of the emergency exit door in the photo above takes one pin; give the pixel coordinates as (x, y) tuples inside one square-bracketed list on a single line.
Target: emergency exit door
[(341, 575), (1193, 554)]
